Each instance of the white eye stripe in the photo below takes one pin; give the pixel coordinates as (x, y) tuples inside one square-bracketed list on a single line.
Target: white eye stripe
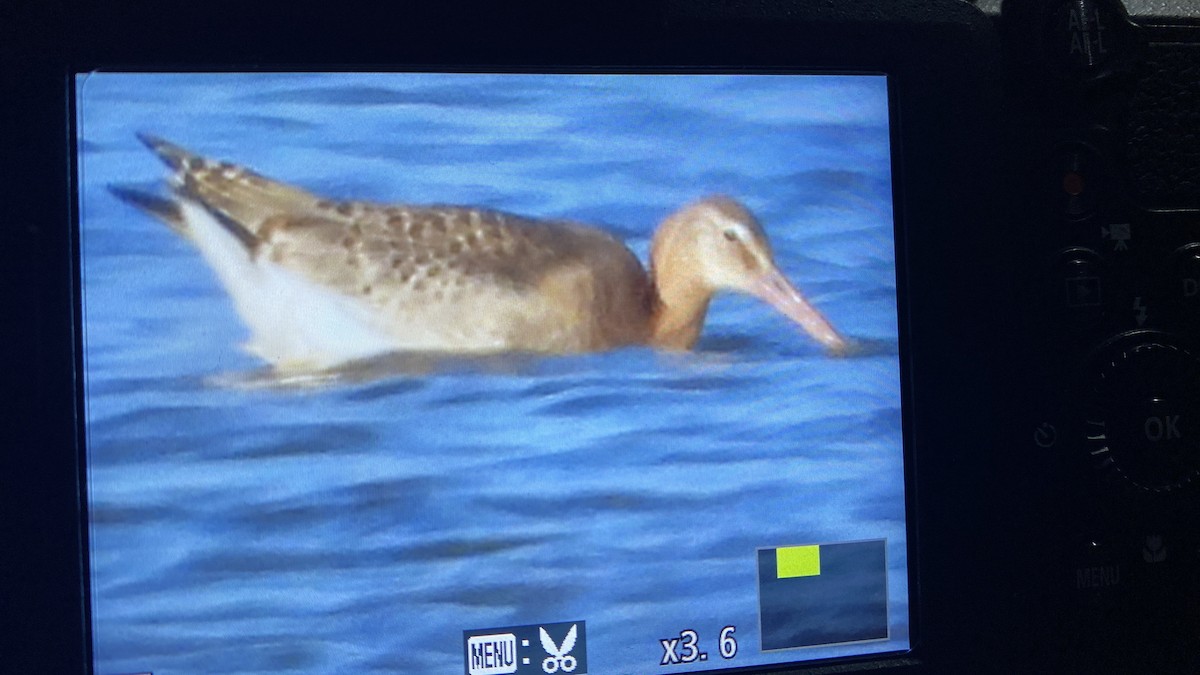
[(738, 230), (728, 224)]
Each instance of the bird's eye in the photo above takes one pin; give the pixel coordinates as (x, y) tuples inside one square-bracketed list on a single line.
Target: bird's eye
[(730, 235)]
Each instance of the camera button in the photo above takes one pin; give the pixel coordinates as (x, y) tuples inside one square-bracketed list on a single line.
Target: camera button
[(1086, 35), (1079, 270), (1098, 572), (1045, 435), (1084, 26), (1141, 426), (1080, 181), (1161, 566), (1083, 291), (1187, 274)]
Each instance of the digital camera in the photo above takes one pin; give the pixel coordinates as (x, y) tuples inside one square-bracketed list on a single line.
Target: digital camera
[(670, 337)]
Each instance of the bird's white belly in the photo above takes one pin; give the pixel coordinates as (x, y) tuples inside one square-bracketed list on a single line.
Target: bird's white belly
[(294, 323)]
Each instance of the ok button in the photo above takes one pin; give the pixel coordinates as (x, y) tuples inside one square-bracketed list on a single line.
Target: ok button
[(1156, 446), (1143, 426), (1163, 427), (1164, 420)]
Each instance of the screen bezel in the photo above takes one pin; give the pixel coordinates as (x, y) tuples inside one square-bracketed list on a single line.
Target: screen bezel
[(921, 58), (911, 546)]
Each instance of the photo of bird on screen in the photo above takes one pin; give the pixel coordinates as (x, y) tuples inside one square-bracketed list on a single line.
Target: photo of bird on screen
[(553, 362), (322, 282)]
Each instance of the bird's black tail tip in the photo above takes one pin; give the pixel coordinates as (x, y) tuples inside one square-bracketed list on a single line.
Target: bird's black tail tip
[(172, 155), (149, 140), (166, 210)]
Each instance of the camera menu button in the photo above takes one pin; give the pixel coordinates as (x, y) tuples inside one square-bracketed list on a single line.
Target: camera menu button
[(1098, 571)]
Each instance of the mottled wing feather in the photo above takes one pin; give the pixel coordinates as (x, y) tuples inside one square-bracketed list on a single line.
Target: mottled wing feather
[(530, 284), (234, 191), (367, 244), (243, 195)]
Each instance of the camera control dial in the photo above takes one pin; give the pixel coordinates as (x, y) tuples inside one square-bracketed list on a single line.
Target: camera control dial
[(1143, 424)]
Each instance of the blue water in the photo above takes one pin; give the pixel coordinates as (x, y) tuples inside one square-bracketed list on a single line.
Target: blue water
[(358, 524)]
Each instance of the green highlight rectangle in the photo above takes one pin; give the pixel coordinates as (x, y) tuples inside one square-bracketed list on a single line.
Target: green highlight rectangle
[(798, 561)]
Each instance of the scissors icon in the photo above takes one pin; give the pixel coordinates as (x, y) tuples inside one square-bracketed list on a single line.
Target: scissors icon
[(560, 655)]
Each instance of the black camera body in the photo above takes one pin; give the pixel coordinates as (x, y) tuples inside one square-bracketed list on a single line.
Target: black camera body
[(1102, 136), (1047, 161)]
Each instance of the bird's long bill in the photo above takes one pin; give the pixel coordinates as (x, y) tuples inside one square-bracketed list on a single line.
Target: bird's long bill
[(774, 288)]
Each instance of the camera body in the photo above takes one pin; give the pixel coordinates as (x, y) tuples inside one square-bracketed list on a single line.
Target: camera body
[(1103, 146), (1048, 241)]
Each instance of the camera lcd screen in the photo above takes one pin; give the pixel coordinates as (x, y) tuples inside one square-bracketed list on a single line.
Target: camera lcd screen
[(489, 373)]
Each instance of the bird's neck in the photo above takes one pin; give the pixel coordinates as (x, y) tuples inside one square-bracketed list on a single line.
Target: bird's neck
[(682, 303)]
